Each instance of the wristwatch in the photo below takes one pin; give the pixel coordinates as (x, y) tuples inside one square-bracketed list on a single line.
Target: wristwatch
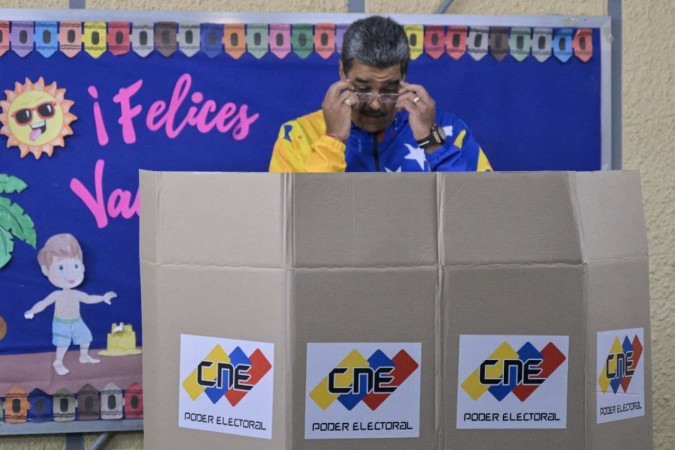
[(436, 136)]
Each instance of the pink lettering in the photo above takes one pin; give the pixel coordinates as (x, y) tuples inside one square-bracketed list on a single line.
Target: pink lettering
[(119, 202), (180, 93), (101, 133), (155, 120), (203, 114), (228, 111), (127, 113), (244, 125), (226, 118), (95, 205), (203, 125)]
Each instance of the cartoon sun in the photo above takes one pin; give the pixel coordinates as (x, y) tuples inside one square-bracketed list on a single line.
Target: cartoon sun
[(36, 117)]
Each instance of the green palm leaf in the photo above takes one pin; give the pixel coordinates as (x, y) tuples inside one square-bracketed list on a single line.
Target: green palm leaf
[(6, 247), (16, 221), (9, 184)]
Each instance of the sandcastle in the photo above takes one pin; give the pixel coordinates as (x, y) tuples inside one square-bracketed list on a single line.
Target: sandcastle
[(121, 341)]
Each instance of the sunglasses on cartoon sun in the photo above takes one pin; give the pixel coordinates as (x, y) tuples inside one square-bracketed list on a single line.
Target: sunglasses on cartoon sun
[(25, 115)]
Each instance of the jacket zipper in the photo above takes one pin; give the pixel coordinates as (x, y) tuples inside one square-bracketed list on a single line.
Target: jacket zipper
[(376, 154)]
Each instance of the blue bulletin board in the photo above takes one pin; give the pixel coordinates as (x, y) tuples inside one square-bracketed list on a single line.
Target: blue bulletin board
[(209, 92)]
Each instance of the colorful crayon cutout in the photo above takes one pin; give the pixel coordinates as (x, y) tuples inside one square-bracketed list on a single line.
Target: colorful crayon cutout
[(111, 403), (283, 39)]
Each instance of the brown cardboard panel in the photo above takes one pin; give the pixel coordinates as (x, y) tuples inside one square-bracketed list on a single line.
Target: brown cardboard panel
[(361, 220), (212, 218), (149, 185), (507, 218), (371, 306), (540, 299), (388, 304), (617, 294), (524, 300), (408, 258), (242, 304), (611, 216), (152, 334), (618, 299)]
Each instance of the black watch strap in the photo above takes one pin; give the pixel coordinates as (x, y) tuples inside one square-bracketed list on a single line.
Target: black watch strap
[(436, 137)]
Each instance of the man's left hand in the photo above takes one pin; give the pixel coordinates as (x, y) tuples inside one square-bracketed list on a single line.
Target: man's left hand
[(420, 106)]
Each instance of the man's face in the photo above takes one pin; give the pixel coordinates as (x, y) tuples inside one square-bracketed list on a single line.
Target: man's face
[(373, 115), (66, 273)]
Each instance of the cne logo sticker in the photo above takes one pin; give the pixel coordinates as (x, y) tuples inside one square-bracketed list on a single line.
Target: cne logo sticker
[(362, 390), (509, 371), (369, 380), (219, 375), (512, 382), (620, 363), (226, 386)]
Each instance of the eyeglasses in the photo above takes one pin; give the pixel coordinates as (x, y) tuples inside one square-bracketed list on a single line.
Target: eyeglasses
[(367, 97), (25, 115)]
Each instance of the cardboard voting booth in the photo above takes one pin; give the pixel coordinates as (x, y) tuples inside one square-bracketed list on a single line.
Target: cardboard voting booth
[(399, 311)]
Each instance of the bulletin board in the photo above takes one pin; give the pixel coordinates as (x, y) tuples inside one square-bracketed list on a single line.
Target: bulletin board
[(90, 97)]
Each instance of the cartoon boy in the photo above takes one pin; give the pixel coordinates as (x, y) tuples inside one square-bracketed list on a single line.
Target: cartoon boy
[(61, 262)]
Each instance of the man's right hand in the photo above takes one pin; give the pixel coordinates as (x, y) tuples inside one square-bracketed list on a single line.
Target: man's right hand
[(337, 108)]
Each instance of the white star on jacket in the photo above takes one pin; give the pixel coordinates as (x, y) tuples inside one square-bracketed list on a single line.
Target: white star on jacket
[(416, 154), (387, 169)]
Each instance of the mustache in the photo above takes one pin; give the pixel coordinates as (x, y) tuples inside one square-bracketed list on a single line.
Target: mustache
[(373, 112)]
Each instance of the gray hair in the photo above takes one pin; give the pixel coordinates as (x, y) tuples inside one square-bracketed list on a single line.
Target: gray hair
[(375, 41)]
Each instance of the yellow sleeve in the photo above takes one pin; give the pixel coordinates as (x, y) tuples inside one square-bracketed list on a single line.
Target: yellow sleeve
[(302, 146)]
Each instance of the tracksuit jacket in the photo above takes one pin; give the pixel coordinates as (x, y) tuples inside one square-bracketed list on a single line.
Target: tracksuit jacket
[(302, 146)]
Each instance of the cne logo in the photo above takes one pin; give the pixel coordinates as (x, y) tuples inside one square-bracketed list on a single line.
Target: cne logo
[(232, 376), (620, 364), (369, 380), (508, 371)]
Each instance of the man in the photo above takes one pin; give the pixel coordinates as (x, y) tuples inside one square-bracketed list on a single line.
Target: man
[(373, 120)]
